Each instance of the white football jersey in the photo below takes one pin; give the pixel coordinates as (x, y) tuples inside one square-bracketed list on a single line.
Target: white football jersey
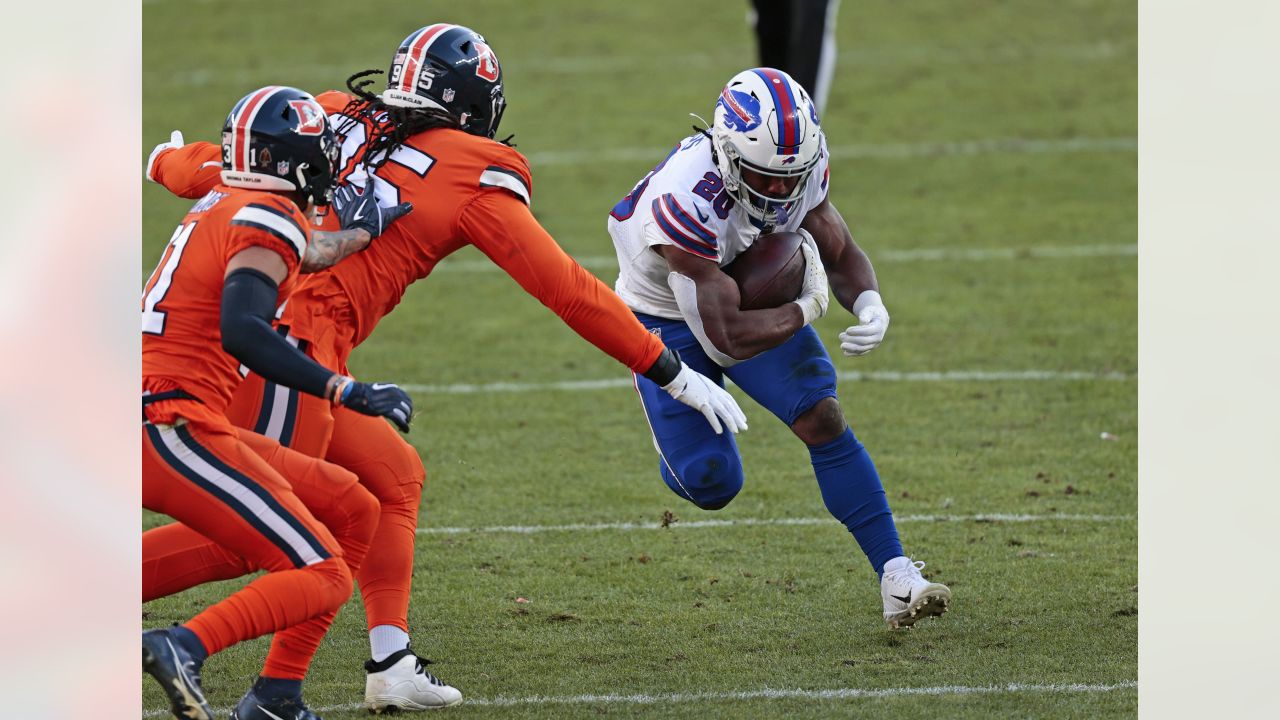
[(683, 202)]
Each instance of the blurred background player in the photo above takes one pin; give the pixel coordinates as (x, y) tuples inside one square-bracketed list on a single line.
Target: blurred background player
[(235, 257), (798, 37), (762, 168), (427, 138)]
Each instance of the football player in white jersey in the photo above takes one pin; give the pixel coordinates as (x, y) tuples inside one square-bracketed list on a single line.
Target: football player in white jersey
[(762, 168)]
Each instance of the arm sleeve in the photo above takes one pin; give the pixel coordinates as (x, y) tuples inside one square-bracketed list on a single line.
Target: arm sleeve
[(501, 226), (190, 171), (248, 305)]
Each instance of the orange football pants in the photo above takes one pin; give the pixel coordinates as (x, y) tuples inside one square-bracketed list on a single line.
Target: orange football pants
[(203, 473), (383, 462)]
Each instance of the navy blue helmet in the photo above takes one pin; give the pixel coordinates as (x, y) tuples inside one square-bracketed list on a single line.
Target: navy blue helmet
[(278, 138), (452, 69)]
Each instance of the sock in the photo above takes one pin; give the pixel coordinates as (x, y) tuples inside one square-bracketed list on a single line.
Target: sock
[(385, 640), (276, 689), (190, 642), (852, 492)]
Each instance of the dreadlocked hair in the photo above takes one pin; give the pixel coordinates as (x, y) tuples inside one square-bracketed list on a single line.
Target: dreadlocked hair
[(390, 127)]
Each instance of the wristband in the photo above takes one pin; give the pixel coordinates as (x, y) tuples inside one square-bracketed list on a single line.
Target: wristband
[(665, 368), (866, 299), (338, 388)]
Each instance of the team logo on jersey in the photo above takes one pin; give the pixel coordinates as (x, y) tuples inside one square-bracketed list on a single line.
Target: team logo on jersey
[(310, 117), (741, 111), (486, 62)]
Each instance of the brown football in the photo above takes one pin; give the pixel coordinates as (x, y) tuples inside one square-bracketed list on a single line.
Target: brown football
[(770, 273)]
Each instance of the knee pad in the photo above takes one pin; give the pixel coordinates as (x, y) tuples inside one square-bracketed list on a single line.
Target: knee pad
[(708, 478), (396, 479), (338, 582), (363, 511)]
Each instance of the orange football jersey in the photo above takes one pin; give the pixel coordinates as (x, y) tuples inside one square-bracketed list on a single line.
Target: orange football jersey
[(182, 303), (465, 190)]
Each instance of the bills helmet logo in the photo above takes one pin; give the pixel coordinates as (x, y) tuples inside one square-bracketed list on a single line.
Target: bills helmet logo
[(486, 62), (741, 111), (310, 117)]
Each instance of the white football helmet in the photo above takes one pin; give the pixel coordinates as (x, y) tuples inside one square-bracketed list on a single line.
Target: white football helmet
[(766, 122)]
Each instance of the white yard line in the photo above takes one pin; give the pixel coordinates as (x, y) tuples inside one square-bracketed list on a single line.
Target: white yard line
[(1045, 252), (844, 376), (762, 694), (891, 150), (750, 522)]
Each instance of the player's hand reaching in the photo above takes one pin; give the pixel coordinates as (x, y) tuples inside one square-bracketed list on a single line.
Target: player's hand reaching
[(873, 321), (377, 399), (359, 210), (175, 142), (813, 298), (698, 392)]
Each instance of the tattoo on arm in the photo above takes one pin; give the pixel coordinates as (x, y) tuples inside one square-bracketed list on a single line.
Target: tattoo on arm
[(326, 249)]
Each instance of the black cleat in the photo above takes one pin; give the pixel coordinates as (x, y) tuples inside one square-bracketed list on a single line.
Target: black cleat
[(252, 707), (178, 672)]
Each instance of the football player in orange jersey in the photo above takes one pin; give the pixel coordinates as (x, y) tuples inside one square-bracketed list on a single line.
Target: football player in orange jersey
[(428, 138), (237, 253)]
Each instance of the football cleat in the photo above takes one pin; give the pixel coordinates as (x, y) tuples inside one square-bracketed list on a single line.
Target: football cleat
[(908, 597), (401, 682), (252, 707), (178, 672)]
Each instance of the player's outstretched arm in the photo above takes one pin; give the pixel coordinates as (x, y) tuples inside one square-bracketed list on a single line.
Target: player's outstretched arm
[(709, 300), (186, 170), (250, 295), (852, 278), (502, 227), (362, 219)]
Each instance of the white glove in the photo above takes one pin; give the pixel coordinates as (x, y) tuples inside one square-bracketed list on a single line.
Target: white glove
[(813, 294), (873, 321), (698, 392), (175, 141)]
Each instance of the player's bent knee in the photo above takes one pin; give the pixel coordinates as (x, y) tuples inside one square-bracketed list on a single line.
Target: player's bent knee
[(338, 582), (712, 480), (821, 423), (396, 480), (364, 510)]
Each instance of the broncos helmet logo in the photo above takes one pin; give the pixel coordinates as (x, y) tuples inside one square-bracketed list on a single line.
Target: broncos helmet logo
[(310, 117), (741, 111)]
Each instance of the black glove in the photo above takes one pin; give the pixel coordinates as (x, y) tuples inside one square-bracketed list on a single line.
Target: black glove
[(360, 210), (378, 399)]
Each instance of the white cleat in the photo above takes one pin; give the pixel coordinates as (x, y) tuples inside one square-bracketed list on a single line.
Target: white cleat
[(908, 597), (401, 682)]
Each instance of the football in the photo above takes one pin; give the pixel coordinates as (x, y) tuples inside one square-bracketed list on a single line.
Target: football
[(770, 273)]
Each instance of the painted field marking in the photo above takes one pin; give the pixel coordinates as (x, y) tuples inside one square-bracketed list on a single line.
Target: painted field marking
[(753, 522), (885, 151), (1047, 252), (844, 376), (763, 694)]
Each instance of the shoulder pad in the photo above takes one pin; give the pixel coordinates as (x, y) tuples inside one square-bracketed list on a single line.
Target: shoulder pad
[(687, 222)]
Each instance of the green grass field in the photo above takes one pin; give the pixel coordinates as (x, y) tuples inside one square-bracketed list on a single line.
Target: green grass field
[(985, 156)]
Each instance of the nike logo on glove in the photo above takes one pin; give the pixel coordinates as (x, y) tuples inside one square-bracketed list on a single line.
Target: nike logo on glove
[(359, 214)]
